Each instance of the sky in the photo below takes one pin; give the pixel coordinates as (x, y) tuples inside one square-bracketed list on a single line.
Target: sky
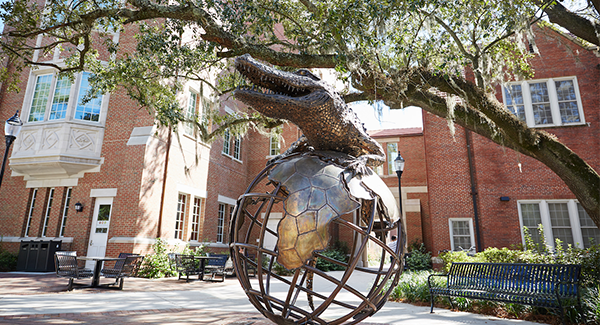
[(407, 117)]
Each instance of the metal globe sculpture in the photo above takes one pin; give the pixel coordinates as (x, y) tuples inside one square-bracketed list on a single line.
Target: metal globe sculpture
[(314, 193)]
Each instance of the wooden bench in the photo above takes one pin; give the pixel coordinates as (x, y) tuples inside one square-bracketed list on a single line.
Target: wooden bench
[(123, 268), (541, 285), (66, 266), (215, 267)]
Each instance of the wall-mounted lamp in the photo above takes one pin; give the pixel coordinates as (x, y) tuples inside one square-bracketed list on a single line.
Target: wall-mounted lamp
[(78, 207), (504, 198)]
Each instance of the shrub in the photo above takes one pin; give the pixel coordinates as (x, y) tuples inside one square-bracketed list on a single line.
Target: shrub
[(412, 287), (419, 258), (157, 265), (8, 261), (337, 251)]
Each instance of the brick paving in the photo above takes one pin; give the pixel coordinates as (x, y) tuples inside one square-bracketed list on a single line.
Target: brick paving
[(36, 283)]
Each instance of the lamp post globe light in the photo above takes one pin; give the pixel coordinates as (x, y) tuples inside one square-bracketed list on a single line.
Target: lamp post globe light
[(12, 127), (399, 167)]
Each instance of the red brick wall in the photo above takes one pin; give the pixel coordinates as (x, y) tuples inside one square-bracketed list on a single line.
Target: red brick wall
[(496, 168)]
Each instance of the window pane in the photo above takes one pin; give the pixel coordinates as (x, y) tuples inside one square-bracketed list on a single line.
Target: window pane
[(541, 103), (565, 90), (190, 114), (226, 141), (567, 101), (196, 211), (40, 98), (274, 144), (180, 216), (530, 212), (220, 223), (514, 101), (61, 99), (392, 152), (589, 231), (237, 147), (461, 234), (91, 110), (561, 224)]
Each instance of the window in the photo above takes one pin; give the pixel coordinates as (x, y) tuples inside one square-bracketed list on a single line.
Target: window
[(274, 146), (589, 230), (47, 216), (196, 212), (542, 103), (221, 222), (392, 153), (190, 114), (180, 216), (51, 99), (232, 147), (378, 170), (30, 212), (561, 219), (63, 223), (226, 142), (461, 233), (237, 148)]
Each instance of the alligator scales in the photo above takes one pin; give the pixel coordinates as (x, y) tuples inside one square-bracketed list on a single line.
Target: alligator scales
[(336, 147)]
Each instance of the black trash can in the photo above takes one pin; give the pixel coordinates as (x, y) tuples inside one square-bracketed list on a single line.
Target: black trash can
[(37, 256)]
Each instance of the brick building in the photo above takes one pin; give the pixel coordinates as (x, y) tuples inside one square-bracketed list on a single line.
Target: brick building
[(485, 198), (134, 180), (137, 182)]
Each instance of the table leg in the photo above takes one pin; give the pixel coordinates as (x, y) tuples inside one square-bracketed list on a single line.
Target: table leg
[(96, 278), (201, 275)]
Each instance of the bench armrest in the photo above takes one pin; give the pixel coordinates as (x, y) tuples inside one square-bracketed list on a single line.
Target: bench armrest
[(432, 275)]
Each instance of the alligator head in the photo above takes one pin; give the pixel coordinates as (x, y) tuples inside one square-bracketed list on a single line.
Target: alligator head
[(282, 94)]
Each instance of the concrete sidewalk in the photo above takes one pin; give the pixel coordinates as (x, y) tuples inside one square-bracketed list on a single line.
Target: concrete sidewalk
[(170, 301)]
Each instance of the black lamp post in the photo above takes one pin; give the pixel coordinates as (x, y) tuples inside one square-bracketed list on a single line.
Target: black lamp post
[(399, 167), (11, 130)]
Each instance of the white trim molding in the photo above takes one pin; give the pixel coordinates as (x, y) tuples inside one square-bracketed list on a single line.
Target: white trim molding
[(103, 192), (226, 200)]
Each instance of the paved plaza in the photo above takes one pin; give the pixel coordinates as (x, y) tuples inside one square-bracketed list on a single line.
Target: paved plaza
[(41, 298)]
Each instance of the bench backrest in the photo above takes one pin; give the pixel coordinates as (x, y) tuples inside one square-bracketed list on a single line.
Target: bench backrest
[(522, 278), (217, 260), (131, 265), (66, 264)]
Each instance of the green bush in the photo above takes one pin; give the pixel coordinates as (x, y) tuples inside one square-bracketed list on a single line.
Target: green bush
[(157, 265), (338, 251), (419, 258), (589, 259), (8, 261), (412, 287)]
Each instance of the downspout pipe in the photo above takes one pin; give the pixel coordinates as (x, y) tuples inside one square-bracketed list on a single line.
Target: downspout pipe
[(164, 185), (474, 192)]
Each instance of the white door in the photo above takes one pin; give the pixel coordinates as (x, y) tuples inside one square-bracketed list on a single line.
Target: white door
[(99, 230), (270, 241)]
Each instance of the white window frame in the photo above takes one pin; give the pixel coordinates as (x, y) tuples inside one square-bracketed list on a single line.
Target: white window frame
[(191, 113), (547, 224), (221, 213), (226, 143), (471, 232), (72, 103), (30, 212), (196, 216), (63, 222), (391, 157), (274, 145), (179, 228), (48, 211), (554, 107)]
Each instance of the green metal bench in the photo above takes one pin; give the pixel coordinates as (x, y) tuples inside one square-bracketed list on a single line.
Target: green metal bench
[(541, 285)]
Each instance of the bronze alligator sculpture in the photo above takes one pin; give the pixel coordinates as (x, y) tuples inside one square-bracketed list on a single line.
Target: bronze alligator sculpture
[(327, 122)]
